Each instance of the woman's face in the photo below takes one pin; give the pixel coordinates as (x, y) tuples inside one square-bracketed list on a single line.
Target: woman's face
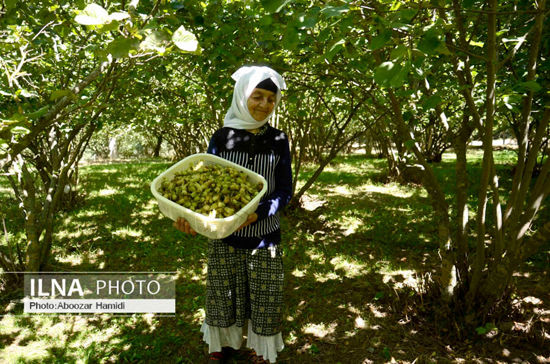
[(261, 103)]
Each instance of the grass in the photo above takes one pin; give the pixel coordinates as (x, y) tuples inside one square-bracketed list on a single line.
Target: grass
[(348, 262)]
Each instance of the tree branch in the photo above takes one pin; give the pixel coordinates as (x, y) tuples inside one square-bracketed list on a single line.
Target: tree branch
[(521, 181)]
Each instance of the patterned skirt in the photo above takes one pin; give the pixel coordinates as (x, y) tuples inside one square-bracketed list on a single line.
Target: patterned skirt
[(244, 284)]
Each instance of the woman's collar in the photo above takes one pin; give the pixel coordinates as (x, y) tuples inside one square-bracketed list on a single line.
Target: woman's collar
[(259, 131)]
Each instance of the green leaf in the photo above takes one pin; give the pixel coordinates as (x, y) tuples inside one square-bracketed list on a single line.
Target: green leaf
[(38, 113), (400, 77), (274, 6), (442, 48), (330, 11), (57, 94), (409, 144), (386, 353), (429, 42), (155, 41), (481, 330), (384, 73), (120, 47), (404, 93), (380, 40), (307, 21), (324, 34), (396, 5), (530, 86), (266, 20), (93, 14), (291, 38), (512, 101), (390, 74), (10, 4), (398, 52), (432, 101), (466, 4), (185, 40), (406, 15), (109, 27), (336, 47)]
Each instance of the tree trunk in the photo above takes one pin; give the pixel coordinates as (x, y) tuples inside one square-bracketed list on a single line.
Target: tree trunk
[(156, 151)]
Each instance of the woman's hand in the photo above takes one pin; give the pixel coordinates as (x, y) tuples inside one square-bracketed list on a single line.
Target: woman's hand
[(253, 217), (183, 225)]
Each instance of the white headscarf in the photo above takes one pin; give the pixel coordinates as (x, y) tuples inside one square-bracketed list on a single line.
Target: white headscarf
[(247, 78)]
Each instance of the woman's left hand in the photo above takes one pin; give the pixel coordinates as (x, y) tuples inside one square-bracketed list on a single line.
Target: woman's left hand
[(253, 217)]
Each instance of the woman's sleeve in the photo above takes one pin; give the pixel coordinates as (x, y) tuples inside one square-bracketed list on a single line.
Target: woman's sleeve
[(280, 197), (212, 146)]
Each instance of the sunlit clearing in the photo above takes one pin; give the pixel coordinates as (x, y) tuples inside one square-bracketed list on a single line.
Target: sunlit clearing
[(32, 351), (342, 190), (106, 170), (107, 192), (313, 254), (351, 268), (54, 332), (7, 325), (326, 277), (532, 300), (71, 235), (188, 273), (90, 256), (298, 273), (401, 278), (107, 335), (352, 223), (311, 202), (320, 330), (448, 156), (376, 310), (349, 334), (359, 323), (147, 211), (71, 259), (351, 309), (199, 315), (89, 213), (368, 187), (127, 233), (292, 338), (394, 189), (151, 321)]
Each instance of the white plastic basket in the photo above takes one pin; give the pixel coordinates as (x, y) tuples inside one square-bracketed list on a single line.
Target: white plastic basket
[(213, 228)]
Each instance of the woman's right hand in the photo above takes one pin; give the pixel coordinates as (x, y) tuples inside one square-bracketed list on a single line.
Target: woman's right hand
[(183, 225)]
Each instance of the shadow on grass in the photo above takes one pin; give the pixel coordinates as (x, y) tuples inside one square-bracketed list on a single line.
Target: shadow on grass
[(350, 266)]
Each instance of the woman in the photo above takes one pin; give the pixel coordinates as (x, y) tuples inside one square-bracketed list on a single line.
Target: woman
[(245, 270)]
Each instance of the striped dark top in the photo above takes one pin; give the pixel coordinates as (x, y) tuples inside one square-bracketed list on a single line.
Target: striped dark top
[(266, 153)]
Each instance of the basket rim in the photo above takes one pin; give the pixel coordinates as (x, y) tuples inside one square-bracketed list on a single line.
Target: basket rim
[(213, 158)]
